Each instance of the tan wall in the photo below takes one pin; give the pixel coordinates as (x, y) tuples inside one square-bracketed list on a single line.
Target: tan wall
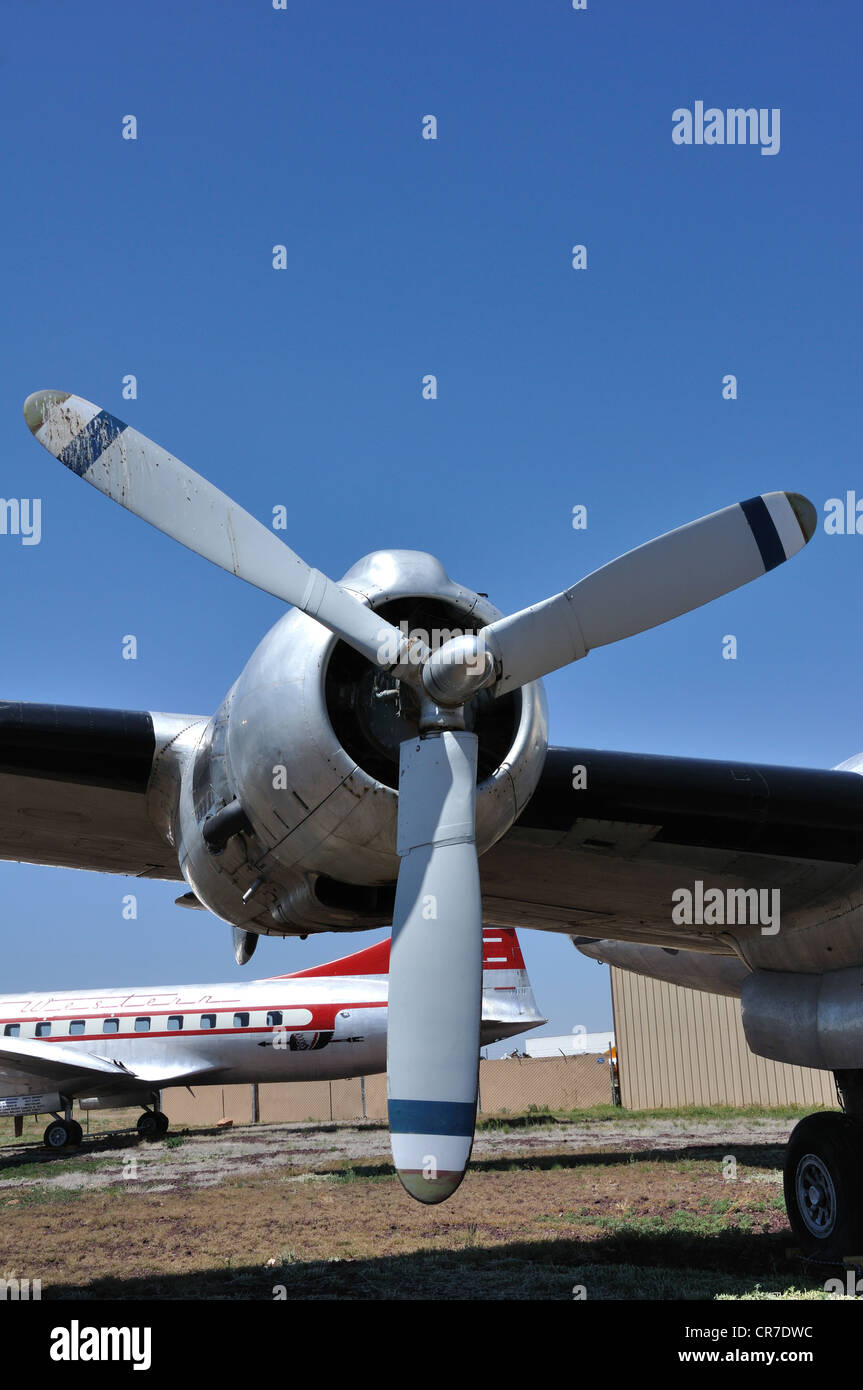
[(680, 1046), (322, 1100), (675, 1047), (510, 1084), (209, 1104)]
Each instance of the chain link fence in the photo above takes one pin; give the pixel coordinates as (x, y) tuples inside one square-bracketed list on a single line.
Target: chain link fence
[(515, 1084)]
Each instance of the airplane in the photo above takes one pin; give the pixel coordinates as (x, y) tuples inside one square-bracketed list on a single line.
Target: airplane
[(121, 1047), (384, 757)]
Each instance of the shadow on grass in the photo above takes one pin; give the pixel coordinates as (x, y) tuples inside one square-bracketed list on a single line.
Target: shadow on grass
[(621, 1266), (764, 1156), (327, 1127), (33, 1153), (36, 1154)]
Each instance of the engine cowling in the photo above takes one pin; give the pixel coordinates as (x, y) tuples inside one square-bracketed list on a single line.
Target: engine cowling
[(294, 780)]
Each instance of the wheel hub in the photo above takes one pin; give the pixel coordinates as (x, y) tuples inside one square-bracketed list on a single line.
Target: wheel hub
[(816, 1195)]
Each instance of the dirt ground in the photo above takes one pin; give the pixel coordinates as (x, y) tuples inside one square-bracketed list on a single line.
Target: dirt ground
[(623, 1207)]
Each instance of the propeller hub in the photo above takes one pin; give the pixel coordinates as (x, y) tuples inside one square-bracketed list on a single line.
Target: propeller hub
[(458, 670)]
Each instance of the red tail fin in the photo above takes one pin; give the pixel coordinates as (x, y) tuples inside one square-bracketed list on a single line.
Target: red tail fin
[(373, 960), (500, 951)]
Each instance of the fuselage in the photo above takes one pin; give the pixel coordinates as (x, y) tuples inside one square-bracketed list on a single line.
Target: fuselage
[(322, 1024), (277, 1030)]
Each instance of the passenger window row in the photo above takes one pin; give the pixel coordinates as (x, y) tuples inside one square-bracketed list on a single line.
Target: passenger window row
[(174, 1023)]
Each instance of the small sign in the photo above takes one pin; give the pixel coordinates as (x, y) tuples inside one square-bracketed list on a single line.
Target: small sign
[(31, 1105)]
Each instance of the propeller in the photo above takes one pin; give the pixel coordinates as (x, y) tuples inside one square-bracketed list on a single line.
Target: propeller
[(148, 481), (435, 986), (658, 581)]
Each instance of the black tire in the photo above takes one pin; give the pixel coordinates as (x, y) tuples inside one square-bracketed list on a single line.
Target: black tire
[(56, 1135), (76, 1133), (163, 1124), (148, 1125), (823, 1182)]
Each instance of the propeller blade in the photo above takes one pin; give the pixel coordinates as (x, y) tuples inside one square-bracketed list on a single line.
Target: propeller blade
[(435, 982), (151, 483), (658, 581)]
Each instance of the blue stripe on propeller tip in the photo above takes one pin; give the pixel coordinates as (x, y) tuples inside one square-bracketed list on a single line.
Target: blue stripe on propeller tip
[(432, 1117), (83, 451), (763, 529)]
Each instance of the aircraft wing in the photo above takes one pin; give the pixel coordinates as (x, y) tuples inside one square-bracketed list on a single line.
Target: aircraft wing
[(608, 837), (599, 850), (82, 788), (30, 1065)]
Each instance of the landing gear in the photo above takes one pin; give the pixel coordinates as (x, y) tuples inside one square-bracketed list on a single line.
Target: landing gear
[(60, 1134), (153, 1124), (823, 1167)]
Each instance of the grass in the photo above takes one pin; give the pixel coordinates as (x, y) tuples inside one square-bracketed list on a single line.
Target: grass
[(47, 1170), (521, 1121), (544, 1212), (600, 1114), (340, 1172), (47, 1196), (470, 1273)]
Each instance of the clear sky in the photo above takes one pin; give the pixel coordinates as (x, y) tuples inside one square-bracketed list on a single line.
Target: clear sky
[(405, 256)]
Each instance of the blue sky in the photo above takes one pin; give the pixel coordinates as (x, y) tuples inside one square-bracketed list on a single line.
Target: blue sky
[(302, 127)]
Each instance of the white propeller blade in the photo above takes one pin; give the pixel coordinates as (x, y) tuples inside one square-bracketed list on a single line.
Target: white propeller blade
[(151, 483), (658, 581), (435, 983)]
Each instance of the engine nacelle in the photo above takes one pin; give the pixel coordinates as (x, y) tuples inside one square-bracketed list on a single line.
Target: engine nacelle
[(690, 969), (294, 781), (807, 1020)]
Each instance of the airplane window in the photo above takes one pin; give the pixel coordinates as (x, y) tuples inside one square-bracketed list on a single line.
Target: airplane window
[(175, 1023), (208, 1020), (76, 1026), (142, 1025), (241, 1020), (12, 1030), (43, 1030), (274, 1018), (110, 1025)]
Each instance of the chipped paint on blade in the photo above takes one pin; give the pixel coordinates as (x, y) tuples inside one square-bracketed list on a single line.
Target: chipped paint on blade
[(37, 405), (90, 443), (60, 418), (123, 464)]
